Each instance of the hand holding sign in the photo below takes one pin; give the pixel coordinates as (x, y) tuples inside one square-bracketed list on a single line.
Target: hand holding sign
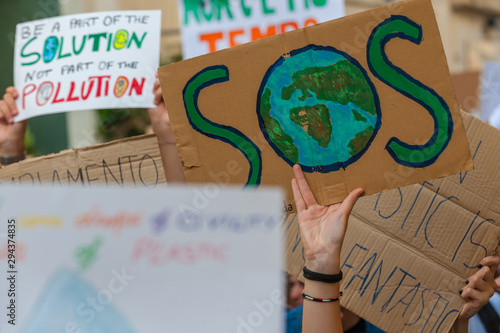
[(11, 134), (160, 122), (85, 61), (322, 228), (480, 287), (322, 231)]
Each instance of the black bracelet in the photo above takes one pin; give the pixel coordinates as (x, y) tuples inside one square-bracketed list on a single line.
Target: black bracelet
[(327, 278), (6, 160)]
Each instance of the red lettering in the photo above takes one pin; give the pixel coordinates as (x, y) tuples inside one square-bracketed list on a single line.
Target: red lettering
[(91, 85), (99, 84), (21, 250), (106, 90), (57, 94), (189, 255), (173, 254), (72, 98), (211, 39), (143, 247), (156, 253), (135, 86), (25, 93)]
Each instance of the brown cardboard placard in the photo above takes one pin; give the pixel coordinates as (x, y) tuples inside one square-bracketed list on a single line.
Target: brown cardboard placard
[(131, 162), (392, 99), (408, 251), (428, 232), (467, 89)]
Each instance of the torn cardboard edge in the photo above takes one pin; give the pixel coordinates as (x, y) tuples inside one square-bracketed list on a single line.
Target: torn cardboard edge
[(130, 162)]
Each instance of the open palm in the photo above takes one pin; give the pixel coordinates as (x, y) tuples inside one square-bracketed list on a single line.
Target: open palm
[(322, 228)]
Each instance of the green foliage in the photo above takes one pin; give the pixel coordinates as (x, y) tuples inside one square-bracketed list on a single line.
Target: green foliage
[(29, 142), (121, 123)]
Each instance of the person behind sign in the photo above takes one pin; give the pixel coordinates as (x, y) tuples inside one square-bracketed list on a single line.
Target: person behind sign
[(12, 148), (11, 134), (315, 221), (487, 320), (322, 230), (160, 122)]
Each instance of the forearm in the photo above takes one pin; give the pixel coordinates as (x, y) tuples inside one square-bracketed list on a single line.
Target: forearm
[(172, 165), (12, 148), (321, 317)]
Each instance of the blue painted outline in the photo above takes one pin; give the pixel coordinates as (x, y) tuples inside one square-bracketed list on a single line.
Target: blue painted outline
[(337, 165), (231, 129), (417, 41), (478, 244)]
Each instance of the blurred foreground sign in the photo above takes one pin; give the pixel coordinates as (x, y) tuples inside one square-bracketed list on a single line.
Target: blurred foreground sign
[(350, 108), (114, 260), (86, 61)]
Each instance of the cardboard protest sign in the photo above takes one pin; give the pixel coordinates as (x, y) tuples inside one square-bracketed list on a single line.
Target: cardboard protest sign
[(86, 61), (114, 260), (466, 86), (133, 162), (212, 25), (490, 88), (408, 251), (350, 114)]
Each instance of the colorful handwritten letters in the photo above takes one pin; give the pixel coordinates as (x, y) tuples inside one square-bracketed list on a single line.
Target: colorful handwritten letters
[(85, 61), (212, 25), (134, 260)]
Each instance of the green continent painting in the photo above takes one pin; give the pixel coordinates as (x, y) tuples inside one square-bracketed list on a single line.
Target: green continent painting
[(318, 108)]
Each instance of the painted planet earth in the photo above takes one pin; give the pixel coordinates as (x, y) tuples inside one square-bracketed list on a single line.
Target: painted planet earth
[(318, 108)]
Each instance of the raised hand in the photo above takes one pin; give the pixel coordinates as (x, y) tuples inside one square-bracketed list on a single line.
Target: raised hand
[(11, 133), (322, 228)]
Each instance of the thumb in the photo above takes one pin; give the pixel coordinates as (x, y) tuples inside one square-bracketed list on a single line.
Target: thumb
[(348, 203)]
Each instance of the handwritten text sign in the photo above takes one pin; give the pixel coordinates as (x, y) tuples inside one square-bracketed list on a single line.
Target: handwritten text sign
[(408, 251), (211, 25), (85, 61), (114, 260), (349, 110), (133, 162), (490, 86)]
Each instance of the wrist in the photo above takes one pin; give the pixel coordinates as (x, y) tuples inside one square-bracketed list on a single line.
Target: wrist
[(320, 277), (10, 159), (11, 150), (325, 264), (165, 137)]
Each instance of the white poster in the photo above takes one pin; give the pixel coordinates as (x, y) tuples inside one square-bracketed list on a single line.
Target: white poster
[(212, 25), (116, 260), (87, 61), (490, 89)]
